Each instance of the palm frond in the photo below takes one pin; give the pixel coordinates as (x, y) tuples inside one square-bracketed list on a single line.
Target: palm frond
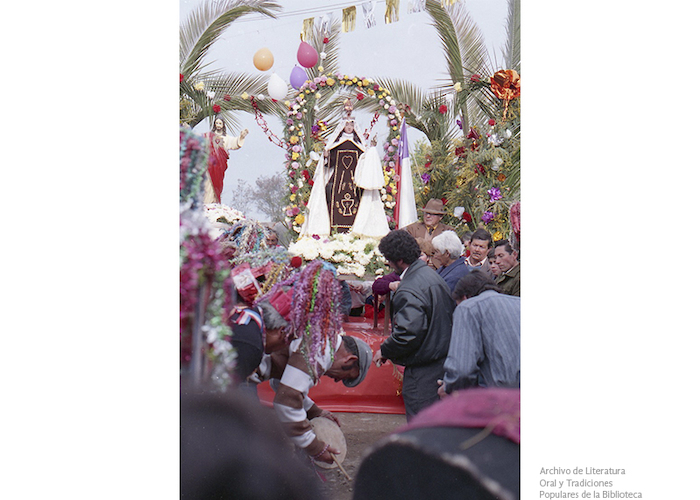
[(511, 51), (208, 21)]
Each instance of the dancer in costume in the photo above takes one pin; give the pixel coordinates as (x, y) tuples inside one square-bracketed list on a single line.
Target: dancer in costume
[(219, 144)]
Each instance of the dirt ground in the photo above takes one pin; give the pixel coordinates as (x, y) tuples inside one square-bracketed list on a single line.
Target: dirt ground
[(361, 430)]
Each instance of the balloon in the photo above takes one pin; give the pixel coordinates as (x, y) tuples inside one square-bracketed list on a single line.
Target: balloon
[(263, 59), (307, 55), (276, 87), (297, 77)]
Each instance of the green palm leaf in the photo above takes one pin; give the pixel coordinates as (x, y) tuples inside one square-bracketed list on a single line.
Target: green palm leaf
[(511, 51), (207, 22)]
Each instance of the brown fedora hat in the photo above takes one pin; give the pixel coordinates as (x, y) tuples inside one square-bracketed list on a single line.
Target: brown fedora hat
[(434, 206)]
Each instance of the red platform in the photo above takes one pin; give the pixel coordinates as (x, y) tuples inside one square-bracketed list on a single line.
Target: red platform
[(379, 392)]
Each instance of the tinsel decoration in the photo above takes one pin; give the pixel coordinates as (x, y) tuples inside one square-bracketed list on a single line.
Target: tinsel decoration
[(194, 157), (260, 120)]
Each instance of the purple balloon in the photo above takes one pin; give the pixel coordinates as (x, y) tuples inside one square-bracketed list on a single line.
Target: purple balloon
[(297, 77)]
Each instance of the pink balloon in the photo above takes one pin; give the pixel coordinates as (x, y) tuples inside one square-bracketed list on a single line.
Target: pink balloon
[(307, 55), (297, 77)]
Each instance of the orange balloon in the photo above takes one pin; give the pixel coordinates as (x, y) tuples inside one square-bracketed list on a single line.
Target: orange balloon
[(263, 59)]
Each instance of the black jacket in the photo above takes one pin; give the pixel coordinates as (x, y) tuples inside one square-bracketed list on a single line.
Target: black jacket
[(422, 317)]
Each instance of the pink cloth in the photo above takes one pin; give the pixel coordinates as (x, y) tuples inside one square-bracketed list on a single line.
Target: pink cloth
[(478, 407)]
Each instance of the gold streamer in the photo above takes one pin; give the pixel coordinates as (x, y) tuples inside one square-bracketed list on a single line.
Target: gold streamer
[(447, 3), (307, 29), (349, 17), (392, 11)]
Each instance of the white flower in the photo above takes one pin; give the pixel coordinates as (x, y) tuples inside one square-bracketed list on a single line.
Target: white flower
[(211, 94), (508, 133), (458, 212), (322, 55)]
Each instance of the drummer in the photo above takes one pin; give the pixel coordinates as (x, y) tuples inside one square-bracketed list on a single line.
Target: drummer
[(348, 360)]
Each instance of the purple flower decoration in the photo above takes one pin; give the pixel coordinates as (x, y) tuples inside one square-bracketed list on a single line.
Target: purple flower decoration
[(459, 124), (316, 237), (487, 217), (315, 129), (425, 178), (495, 194)]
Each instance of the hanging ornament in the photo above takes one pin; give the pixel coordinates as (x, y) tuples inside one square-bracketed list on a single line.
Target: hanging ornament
[(307, 55), (263, 59), (506, 85), (297, 77), (276, 87)]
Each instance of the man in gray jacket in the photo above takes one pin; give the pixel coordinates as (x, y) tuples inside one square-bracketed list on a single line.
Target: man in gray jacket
[(422, 321)]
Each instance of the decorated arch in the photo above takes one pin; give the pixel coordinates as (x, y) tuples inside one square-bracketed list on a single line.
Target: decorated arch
[(305, 137)]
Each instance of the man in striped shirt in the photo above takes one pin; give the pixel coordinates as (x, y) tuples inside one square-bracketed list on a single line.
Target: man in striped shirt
[(485, 344)]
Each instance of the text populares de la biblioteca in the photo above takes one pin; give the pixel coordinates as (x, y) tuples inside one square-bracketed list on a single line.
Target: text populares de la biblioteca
[(571, 487)]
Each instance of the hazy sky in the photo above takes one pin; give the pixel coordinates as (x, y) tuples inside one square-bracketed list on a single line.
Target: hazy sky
[(408, 49)]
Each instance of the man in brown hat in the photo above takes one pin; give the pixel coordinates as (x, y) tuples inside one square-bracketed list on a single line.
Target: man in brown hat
[(431, 225)]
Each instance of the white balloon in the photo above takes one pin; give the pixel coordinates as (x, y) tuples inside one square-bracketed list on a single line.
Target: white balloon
[(276, 87)]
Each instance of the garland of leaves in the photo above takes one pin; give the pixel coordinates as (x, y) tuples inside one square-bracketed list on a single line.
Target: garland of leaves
[(305, 135)]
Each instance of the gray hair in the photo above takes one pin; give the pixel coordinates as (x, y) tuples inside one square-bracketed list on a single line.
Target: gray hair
[(273, 320), (448, 242)]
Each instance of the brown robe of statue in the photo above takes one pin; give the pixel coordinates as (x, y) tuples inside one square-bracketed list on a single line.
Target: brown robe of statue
[(342, 196)]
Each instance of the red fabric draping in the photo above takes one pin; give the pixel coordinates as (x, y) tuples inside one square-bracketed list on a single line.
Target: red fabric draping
[(218, 163), (379, 392)]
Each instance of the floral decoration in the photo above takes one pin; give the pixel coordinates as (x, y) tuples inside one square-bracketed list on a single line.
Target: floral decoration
[(305, 138), (351, 255)]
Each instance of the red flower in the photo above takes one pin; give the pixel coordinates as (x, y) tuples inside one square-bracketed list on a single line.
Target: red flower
[(459, 151), (467, 217), (473, 134), (475, 78), (294, 189), (227, 97), (325, 40), (182, 77), (360, 96), (444, 201), (492, 122), (311, 183), (428, 165), (216, 108), (443, 109), (305, 173), (296, 261)]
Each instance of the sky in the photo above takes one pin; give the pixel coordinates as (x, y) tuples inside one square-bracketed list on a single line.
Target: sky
[(409, 50)]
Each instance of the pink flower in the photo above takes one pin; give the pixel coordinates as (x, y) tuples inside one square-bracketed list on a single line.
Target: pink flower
[(216, 108), (443, 109)]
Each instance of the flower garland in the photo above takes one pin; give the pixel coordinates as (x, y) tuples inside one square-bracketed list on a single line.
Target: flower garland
[(194, 157), (203, 266), (305, 138), (219, 213)]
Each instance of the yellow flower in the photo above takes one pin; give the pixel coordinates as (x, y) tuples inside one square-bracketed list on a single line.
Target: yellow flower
[(330, 81), (320, 68), (342, 82), (299, 219), (286, 103), (365, 82), (295, 156), (497, 236), (458, 87), (199, 86), (292, 197), (244, 95), (348, 82), (308, 91), (301, 132), (389, 197), (394, 128), (354, 80), (370, 91), (294, 139)]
